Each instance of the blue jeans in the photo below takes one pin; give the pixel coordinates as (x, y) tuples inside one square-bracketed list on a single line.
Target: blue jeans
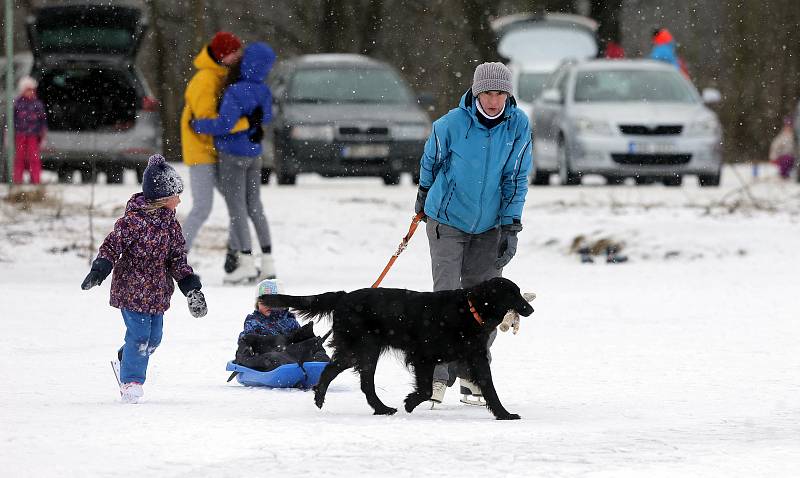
[(142, 336)]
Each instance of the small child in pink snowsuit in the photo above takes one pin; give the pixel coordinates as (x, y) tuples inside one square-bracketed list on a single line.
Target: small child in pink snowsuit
[(782, 149), (30, 126)]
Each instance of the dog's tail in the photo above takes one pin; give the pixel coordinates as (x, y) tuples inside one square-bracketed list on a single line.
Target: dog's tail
[(308, 306)]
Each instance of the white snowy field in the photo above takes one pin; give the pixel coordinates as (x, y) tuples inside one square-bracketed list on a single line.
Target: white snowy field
[(682, 362)]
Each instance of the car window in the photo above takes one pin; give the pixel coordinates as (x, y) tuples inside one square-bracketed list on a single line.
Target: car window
[(632, 85), (530, 85), (348, 85)]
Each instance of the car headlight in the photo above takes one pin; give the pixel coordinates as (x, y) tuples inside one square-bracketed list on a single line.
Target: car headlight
[(592, 126), (312, 132), (704, 127), (410, 131)]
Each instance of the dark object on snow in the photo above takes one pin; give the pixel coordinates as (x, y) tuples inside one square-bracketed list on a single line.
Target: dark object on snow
[(267, 352), (613, 256), (587, 249), (429, 327)]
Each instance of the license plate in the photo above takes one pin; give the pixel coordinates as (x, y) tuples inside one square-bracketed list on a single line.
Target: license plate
[(651, 148), (365, 151)]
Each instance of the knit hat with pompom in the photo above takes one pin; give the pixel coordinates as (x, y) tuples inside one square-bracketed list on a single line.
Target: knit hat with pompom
[(160, 180)]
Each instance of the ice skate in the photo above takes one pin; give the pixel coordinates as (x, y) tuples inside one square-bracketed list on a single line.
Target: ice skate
[(245, 273), (267, 270), (131, 392), (438, 392), (471, 394)]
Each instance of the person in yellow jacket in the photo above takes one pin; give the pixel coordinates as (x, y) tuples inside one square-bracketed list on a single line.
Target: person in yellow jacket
[(201, 97)]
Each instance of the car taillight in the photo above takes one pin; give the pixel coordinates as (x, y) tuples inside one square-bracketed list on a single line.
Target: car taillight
[(149, 104)]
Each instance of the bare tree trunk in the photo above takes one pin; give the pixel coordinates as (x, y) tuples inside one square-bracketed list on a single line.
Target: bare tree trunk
[(478, 15), (607, 13), (332, 25), (373, 22)]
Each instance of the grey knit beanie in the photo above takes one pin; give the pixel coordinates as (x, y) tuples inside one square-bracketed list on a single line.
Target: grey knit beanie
[(493, 76)]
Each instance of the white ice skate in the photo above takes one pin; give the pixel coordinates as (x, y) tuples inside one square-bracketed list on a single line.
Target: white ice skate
[(131, 392), (471, 393), (438, 392), (245, 273), (267, 267)]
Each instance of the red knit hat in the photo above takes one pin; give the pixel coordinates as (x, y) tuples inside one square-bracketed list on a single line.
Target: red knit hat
[(223, 44), (662, 37)]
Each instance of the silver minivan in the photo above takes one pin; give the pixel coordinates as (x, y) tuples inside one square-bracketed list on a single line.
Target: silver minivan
[(102, 117), (625, 118)]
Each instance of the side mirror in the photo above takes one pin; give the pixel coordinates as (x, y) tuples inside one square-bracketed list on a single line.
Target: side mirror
[(711, 95), (426, 100), (551, 95)]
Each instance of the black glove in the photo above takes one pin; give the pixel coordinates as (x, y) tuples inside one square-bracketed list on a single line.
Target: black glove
[(419, 206), (197, 303), (508, 244), (256, 119), (101, 268)]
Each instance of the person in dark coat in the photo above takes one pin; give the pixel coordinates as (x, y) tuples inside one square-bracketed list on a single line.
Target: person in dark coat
[(146, 252)]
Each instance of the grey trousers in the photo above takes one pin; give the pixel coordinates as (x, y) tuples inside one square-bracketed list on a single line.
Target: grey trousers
[(460, 260), (240, 185), (202, 179)]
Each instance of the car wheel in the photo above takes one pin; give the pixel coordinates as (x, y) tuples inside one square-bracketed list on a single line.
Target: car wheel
[(540, 178), (65, 175), (614, 180), (415, 178), (140, 174), (287, 179), (707, 180), (265, 172), (114, 174), (566, 175), (672, 181), (391, 179), (643, 180), (88, 175)]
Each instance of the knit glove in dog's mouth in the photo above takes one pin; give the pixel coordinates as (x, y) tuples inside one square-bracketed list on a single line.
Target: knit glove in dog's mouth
[(511, 319)]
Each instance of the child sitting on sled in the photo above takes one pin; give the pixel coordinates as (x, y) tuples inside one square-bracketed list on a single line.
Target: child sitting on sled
[(266, 321), (272, 337)]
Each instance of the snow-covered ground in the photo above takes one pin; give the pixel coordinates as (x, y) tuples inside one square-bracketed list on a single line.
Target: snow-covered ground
[(682, 362)]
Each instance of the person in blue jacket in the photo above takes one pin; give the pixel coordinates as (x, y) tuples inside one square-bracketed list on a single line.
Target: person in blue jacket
[(239, 157), (472, 188)]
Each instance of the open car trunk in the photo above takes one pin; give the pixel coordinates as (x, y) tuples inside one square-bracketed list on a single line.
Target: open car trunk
[(88, 99)]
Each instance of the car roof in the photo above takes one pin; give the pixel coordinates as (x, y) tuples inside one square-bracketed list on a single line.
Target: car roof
[(338, 59), (631, 64)]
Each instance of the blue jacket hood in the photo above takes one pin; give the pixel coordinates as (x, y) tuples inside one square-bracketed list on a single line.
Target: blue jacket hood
[(257, 61)]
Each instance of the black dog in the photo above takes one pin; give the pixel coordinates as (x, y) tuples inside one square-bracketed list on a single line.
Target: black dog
[(429, 327)]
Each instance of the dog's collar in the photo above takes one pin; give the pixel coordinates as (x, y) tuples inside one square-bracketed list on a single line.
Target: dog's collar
[(475, 313)]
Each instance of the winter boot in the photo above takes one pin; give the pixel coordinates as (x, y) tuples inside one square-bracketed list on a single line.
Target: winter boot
[(471, 393), (438, 392), (267, 267), (231, 261), (131, 392), (586, 255), (613, 256), (245, 273)]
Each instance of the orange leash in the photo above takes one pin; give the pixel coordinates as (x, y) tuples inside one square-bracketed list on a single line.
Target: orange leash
[(414, 223)]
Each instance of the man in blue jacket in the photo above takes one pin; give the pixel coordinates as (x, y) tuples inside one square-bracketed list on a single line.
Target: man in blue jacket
[(472, 188)]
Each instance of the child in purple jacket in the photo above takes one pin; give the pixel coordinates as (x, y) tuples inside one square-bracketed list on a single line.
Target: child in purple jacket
[(30, 123), (146, 251)]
